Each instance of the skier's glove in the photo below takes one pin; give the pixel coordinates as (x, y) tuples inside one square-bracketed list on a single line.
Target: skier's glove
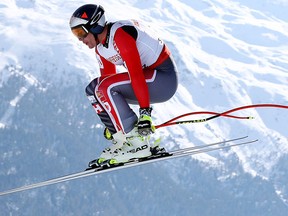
[(144, 124)]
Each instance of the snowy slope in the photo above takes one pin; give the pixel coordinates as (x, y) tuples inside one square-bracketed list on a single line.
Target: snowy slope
[(229, 54)]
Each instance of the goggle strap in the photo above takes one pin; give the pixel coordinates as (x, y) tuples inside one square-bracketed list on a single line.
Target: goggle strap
[(84, 28)]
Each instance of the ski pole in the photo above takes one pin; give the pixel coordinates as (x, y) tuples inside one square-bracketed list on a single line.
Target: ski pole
[(216, 115)]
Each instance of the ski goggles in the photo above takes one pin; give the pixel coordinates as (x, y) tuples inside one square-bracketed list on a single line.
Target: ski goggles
[(80, 32)]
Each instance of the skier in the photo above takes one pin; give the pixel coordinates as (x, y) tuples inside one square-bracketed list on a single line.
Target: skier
[(151, 77)]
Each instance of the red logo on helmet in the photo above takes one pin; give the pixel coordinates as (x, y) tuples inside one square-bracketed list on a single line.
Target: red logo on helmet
[(84, 16)]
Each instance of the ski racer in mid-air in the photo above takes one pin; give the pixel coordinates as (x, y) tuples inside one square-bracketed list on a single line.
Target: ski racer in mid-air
[(151, 77)]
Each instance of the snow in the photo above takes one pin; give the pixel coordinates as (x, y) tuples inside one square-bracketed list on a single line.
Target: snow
[(229, 54)]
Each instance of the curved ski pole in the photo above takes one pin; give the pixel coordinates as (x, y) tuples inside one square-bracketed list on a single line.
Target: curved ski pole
[(206, 112), (216, 115), (173, 122)]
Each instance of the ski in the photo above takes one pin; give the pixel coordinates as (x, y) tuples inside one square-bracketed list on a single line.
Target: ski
[(137, 162)]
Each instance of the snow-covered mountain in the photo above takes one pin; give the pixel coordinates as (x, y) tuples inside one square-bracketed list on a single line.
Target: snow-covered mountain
[(229, 54)]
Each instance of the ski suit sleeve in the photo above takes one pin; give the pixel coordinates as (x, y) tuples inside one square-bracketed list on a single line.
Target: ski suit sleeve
[(130, 55), (106, 67)]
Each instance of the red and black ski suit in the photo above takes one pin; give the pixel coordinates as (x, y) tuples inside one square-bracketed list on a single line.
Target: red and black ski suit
[(151, 76)]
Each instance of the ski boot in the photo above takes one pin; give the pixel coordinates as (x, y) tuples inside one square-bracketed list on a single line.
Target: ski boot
[(117, 142), (135, 147), (145, 128)]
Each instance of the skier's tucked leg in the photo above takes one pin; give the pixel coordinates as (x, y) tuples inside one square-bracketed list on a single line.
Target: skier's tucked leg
[(117, 139), (128, 135), (111, 94)]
